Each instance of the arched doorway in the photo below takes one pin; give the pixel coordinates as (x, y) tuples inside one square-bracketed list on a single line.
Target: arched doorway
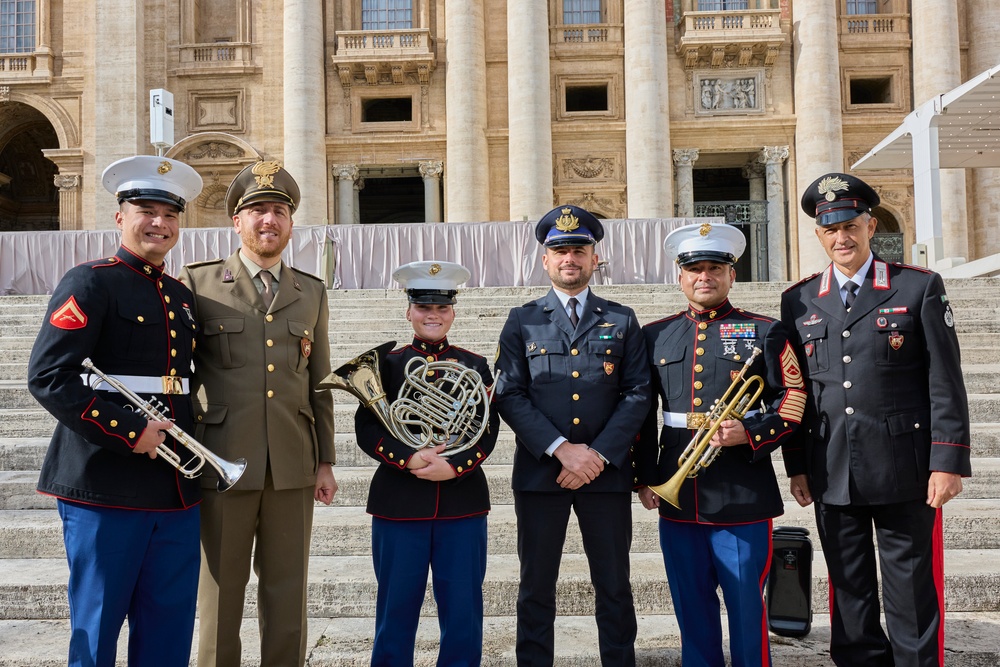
[(29, 200), (888, 240)]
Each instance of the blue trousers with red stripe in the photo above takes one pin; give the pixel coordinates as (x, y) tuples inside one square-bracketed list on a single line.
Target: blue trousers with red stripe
[(455, 552), (701, 558), (137, 564)]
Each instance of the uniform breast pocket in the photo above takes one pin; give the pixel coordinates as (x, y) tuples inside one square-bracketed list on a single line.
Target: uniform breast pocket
[(140, 328), (300, 343), (546, 360), (608, 356), (669, 365), (226, 342), (815, 346), (896, 340)]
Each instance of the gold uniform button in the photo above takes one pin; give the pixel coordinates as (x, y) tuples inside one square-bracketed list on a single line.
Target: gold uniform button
[(173, 334), (698, 384), (95, 413), (430, 373), (698, 368), (131, 434), (576, 374), (221, 328), (270, 368), (173, 353), (576, 420), (772, 431), (114, 422), (305, 331), (479, 455), (166, 298), (702, 336), (459, 469), (200, 417), (269, 318), (574, 351), (159, 284), (757, 438), (270, 343), (607, 351), (700, 351), (173, 371), (576, 397), (391, 455), (736, 357), (430, 358), (696, 402), (542, 350), (469, 462), (663, 361), (171, 314), (141, 318), (381, 449), (702, 326), (270, 393)]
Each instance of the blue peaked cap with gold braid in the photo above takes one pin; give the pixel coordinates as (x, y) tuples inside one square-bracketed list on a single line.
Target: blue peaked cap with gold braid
[(568, 225)]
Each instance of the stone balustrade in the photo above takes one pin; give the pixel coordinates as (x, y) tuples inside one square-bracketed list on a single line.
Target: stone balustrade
[(218, 52), (21, 66), (733, 23), (582, 33), (383, 43), (878, 24)]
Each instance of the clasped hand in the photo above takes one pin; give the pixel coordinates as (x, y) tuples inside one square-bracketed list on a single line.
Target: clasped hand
[(581, 465), (430, 465)]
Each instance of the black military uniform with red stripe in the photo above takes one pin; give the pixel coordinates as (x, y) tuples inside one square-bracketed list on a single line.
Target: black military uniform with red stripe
[(395, 493), (695, 355), (130, 319)]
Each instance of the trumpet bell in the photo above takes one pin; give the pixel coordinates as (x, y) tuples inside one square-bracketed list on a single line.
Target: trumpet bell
[(229, 472)]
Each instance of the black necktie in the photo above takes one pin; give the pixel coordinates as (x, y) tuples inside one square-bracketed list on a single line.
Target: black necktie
[(852, 291), (268, 292), (573, 317)]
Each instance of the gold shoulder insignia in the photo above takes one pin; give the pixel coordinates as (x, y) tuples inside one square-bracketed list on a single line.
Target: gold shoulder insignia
[(264, 172), (567, 222), (830, 185)]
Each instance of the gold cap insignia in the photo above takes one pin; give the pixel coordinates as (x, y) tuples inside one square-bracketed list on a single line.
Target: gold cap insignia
[(164, 167), (264, 172), (830, 185), (705, 229), (435, 269), (567, 222)]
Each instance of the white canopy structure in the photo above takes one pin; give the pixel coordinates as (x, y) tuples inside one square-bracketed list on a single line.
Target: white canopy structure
[(955, 130)]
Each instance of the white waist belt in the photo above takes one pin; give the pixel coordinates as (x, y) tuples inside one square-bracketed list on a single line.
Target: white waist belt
[(141, 384), (675, 419)]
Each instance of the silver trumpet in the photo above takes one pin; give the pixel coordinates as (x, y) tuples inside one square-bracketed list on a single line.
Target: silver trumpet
[(229, 472)]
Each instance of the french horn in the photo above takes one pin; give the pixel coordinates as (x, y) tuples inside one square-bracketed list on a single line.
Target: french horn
[(440, 402)]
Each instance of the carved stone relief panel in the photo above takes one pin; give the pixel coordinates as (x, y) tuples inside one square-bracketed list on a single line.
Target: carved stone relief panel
[(734, 92), (597, 168), (606, 203), (216, 111)]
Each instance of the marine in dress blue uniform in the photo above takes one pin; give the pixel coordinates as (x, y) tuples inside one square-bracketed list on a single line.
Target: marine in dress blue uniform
[(428, 508), (573, 384), (720, 536), (885, 437), (130, 524)]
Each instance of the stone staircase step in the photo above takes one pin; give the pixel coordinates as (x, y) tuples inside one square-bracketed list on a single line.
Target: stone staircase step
[(17, 488), (346, 531), (344, 586), (346, 642)]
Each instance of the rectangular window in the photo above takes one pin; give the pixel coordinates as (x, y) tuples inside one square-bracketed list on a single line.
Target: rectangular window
[(855, 7), (17, 26), (386, 14), (871, 91), (722, 5), (581, 11), (587, 98), (387, 110)]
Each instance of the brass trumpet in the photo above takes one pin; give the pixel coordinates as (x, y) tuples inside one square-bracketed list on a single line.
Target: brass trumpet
[(229, 471), (698, 455)]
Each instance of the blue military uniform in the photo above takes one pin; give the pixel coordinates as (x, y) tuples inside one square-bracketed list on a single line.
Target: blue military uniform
[(588, 384), (695, 356), (130, 523), (887, 406), (420, 524)]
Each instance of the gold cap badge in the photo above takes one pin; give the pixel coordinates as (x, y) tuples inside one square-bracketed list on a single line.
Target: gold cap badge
[(567, 222), (705, 229), (264, 172), (830, 186), (164, 167), (435, 269)]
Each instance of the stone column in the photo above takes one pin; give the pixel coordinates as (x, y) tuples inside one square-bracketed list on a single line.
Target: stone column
[(69, 200), (647, 111), (772, 157), (431, 172), (982, 19), (754, 173), (346, 175), (684, 159), (119, 98), (304, 107), (529, 113), (819, 140), (468, 199), (937, 69)]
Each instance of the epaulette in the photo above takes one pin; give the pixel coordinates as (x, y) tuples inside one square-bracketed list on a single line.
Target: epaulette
[(207, 262), (305, 273), (803, 281), (921, 269), (529, 304), (104, 261)]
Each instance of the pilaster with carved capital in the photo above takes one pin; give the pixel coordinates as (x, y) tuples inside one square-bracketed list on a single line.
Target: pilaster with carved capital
[(685, 158), (773, 157), (431, 171), (69, 200), (347, 176)]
